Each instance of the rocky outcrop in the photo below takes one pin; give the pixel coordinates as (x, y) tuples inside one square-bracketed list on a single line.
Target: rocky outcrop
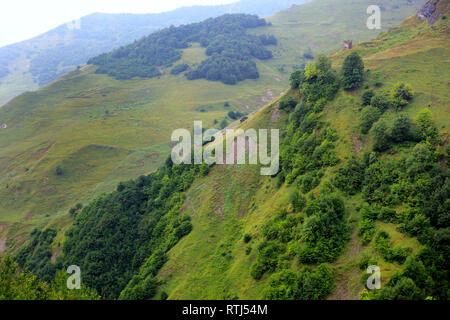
[(433, 10)]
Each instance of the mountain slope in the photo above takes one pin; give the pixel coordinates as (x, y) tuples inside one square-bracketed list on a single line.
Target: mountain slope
[(100, 131), (31, 64), (213, 261)]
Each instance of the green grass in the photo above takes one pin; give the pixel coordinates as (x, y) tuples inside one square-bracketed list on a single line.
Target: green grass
[(196, 270), (125, 120)]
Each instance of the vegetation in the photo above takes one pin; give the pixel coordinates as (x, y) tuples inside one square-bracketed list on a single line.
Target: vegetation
[(278, 212), (35, 256), (16, 284), (128, 232), (401, 94), (308, 285), (352, 71), (179, 68), (229, 48)]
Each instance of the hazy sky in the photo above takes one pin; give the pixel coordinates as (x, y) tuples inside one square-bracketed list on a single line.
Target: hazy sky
[(24, 19)]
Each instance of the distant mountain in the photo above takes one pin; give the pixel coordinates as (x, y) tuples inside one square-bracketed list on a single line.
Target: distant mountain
[(36, 62)]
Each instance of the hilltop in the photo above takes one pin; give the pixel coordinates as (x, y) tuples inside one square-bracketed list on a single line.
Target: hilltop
[(34, 63)]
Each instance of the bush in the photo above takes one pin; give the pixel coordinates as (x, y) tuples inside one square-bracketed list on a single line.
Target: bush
[(369, 116), (352, 71), (164, 295), (350, 177), (288, 105), (247, 238), (257, 271), (297, 79), (179, 68), (401, 94), (380, 102), (59, 171), (367, 97), (401, 130), (426, 130), (380, 137), (388, 215)]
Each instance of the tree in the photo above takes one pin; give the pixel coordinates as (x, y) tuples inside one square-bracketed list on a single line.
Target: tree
[(59, 171), (369, 116), (353, 71), (288, 105), (380, 137), (426, 129), (401, 94), (401, 130), (297, 78), (380, 102), (367, 97)]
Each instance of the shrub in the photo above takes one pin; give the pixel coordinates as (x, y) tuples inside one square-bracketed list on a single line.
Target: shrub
[(297, 79), (401, 130), (367, 97), (59, 171), (179, 68), (247, 238), (257, 271), (426, 129), (369, 116), (380, 137), (352, 71), (401, 94), (164, 295), (387, 215), (380, 102), (288, 105)]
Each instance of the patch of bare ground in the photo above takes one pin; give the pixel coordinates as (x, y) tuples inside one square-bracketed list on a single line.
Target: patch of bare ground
[(55, 254), (3, 246), (276, 114), (344, 290), (357, 144)]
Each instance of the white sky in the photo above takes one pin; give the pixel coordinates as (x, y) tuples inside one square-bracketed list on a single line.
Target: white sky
[(24, 19)]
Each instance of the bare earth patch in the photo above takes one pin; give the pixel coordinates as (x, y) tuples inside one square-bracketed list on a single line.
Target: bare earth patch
[(357, 144), (276, 114), (3, 246)]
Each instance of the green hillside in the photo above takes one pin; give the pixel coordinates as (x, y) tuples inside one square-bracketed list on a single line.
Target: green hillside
[(214, 261), (99, 131), (363, 180), (33, 63)]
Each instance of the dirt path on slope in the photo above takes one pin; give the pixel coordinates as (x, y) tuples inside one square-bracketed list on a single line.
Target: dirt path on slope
[(344, 290)]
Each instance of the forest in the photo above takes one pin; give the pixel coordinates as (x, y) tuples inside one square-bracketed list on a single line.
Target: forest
[(229, 48)]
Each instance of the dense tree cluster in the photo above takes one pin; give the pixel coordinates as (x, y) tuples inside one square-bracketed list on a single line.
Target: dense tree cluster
[(125, 235), (417, 183), (16, 284), (308, 146), (229, 48), (121, 236), (307, 285), (35, 256), (317, 229)]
